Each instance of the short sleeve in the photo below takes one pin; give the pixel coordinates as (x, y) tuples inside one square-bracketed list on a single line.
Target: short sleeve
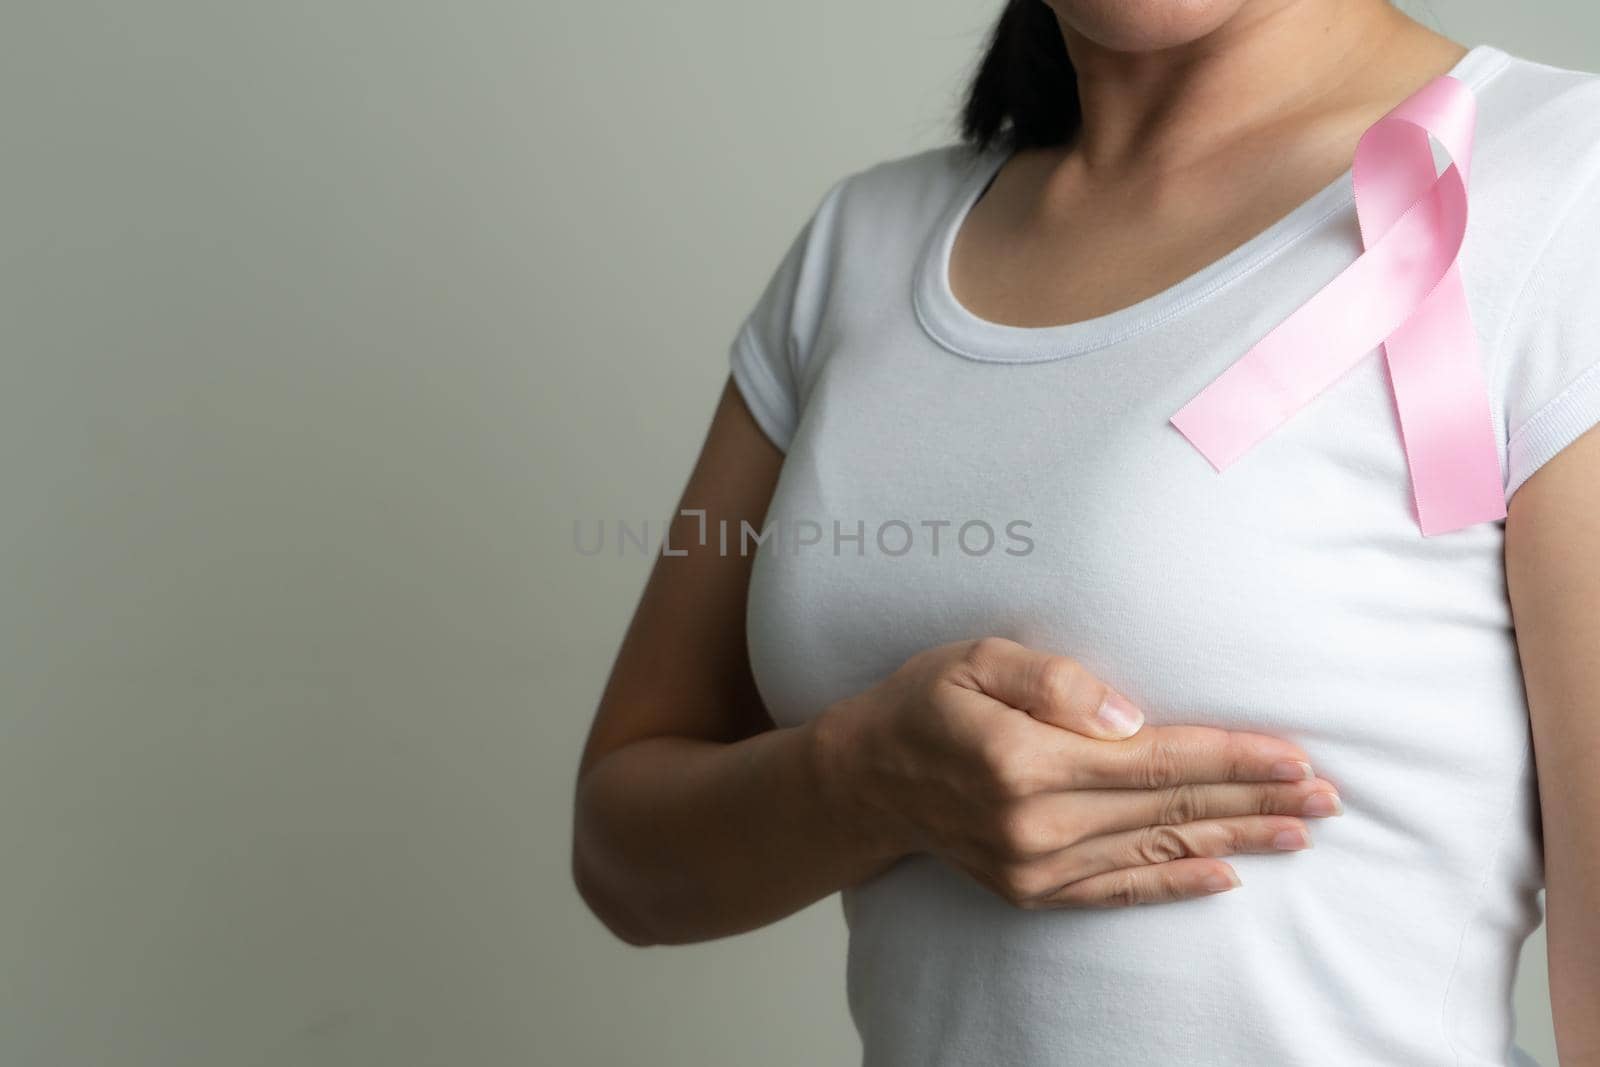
[(1548, 375), (770, 351)]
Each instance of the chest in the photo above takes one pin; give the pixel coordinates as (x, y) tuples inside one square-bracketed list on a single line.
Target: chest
[(1030, 255), (929, 498)]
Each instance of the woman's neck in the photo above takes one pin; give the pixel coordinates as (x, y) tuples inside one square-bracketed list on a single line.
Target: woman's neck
[(1150, 112)]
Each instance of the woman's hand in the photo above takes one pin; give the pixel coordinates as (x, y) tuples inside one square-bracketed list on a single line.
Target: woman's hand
[(1024, 770)]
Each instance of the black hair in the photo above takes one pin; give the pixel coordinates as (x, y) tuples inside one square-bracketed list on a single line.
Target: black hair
[(1024, 93)]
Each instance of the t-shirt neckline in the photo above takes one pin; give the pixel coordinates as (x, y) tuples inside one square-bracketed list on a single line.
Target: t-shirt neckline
[(949, 323)]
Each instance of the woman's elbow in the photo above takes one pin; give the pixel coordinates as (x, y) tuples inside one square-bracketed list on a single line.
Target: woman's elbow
[(612, 911), (602, 899)]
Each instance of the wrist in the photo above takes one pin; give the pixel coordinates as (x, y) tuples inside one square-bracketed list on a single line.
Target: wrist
[(836, 750)]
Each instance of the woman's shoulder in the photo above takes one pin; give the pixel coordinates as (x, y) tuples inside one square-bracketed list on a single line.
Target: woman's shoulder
[(1535, 171), (942, 164), (1532, 261), (1539, 120), (901, 192), (1538, 82)]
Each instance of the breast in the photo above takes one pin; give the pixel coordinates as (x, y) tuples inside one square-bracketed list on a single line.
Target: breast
[(1094, 529), (1291, 595)]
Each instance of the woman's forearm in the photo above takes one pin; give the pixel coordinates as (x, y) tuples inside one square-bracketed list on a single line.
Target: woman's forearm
[(679, 840)]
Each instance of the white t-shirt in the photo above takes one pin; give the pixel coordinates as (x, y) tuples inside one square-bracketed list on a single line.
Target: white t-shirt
[(1292, 594)]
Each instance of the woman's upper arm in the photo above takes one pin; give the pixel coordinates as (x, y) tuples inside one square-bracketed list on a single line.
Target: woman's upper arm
[(682, 668), (1553, 577)]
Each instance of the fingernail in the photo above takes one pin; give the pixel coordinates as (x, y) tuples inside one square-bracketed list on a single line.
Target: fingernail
[(1291, 840), (1322, 804), (1118, 716), (1292, 771), (1219, 882)]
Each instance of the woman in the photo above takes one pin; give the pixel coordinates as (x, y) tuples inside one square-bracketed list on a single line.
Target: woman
[(1018, 659)]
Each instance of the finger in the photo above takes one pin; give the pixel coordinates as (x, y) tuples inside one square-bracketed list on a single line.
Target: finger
[(1155, 883), (1160, 756), (1154, 845), (1054, 689), (1056, 820)]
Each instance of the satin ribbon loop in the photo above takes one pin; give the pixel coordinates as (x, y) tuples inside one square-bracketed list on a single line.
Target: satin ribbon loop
[(1403, 293)]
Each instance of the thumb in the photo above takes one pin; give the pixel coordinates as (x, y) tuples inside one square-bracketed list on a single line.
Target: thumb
[(1053, 689)]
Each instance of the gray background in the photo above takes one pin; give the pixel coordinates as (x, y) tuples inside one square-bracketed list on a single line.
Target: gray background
[(322, 323)]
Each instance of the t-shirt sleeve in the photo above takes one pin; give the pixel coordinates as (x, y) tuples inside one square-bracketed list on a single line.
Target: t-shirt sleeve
[(1549, 368), (773, 345)]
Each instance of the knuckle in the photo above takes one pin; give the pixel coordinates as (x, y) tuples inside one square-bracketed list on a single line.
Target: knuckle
[(1169, 885), (1022, 833), (1274, 799), (1122, 890), (942, 699), (1180, 804), (1057, 677), (1159, 844), (1238, 757), (1158, 765), (1232, 837), (1019, 882), (1069, 828), (1004, 767), (986, 650)]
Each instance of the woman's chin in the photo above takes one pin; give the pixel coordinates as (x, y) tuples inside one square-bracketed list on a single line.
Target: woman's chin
[(1143, 25)]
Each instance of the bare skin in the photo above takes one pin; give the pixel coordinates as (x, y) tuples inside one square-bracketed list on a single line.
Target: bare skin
[(1183, 157), (1553, 578), (697, 818)]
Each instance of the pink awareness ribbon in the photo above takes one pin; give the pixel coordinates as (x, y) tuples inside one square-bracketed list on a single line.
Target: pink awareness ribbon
[(1404, 292)]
